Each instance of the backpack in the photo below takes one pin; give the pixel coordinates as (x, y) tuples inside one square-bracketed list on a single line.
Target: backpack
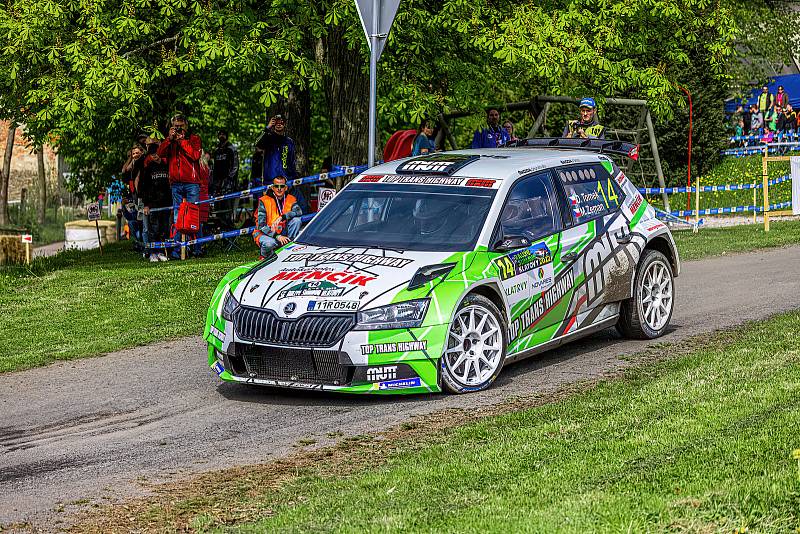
[(188, 219)]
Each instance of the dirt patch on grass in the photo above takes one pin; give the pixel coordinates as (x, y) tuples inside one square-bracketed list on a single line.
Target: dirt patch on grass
[(243, 494)]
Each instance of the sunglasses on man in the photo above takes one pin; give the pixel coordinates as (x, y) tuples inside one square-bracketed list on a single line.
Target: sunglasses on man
[(278, 186)]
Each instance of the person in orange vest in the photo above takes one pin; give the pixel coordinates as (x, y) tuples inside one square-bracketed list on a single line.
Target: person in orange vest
[(277, 219)]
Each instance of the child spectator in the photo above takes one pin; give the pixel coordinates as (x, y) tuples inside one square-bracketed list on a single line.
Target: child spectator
[(508, 126), (781, 98), (756, 120), (132, 167)]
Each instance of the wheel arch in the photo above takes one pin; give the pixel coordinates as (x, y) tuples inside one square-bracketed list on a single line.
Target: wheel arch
[(491, 291), (664, 244)]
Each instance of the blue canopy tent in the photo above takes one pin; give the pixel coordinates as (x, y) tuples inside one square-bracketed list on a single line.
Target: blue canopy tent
[(790, 83)]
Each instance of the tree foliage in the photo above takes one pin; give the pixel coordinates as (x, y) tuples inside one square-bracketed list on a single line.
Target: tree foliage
[(88, 74)]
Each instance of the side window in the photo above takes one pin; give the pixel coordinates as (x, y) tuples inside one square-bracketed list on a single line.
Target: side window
[(531, 209), (590, 192)]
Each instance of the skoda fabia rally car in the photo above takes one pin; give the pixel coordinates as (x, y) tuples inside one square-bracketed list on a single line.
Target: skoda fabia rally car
[(431, 273)]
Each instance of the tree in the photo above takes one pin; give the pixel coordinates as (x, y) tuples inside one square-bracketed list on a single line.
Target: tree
[(91, 73)]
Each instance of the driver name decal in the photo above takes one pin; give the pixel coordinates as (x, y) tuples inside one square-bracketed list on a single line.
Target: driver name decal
[(368, 259)]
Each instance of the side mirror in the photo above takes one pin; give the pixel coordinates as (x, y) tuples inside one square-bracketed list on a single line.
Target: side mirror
[(512, 242)]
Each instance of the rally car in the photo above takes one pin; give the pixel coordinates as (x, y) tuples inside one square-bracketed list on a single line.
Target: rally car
[(429, 274)]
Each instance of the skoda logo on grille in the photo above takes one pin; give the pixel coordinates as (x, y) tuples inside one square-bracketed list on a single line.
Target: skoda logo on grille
[(289, 308)]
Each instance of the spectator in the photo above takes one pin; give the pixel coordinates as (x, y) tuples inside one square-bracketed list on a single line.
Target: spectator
[(747, 116), (280, 157), (154, 190), (493, 135), (423, 144), (277, 219), (739, 132), (133, 167), (791, 118), (781, 97), (770, 119), (587, 126), (508, 126), (756, 120), (765, 100), (780, 120), (205, 177), (224, 178), (182, 150)]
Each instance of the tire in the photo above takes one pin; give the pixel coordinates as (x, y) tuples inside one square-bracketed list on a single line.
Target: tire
[(476, 323), (647, 313)]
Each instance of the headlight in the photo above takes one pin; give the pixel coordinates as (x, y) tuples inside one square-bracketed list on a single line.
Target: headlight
[(407, 314), (230, 306)]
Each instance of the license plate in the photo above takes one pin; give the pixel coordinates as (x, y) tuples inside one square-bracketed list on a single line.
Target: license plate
[(333, 305)]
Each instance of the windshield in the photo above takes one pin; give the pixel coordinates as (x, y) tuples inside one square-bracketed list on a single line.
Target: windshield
[(408, 217)]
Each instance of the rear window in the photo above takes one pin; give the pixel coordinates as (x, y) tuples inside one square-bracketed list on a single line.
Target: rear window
[(591, 192)]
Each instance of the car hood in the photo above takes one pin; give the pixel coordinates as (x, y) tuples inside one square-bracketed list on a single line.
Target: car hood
[(310, 279)]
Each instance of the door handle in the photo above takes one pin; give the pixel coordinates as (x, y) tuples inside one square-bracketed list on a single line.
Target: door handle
[(569, 257)]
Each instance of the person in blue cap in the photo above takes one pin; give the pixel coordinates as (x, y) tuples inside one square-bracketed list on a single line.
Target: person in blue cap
[(587, 127)]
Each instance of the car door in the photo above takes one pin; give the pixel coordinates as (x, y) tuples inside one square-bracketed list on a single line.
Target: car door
[(591, 201), (531, 211)]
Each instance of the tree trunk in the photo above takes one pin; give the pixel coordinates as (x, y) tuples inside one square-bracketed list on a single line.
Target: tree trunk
[(6, 172), (41, 205), (298, 118), (347, 93)]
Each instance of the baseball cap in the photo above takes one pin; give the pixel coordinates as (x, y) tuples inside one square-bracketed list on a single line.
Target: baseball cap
[(588, 103)]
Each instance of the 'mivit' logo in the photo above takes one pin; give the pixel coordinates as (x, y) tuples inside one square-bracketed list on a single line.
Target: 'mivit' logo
[(378, 374)]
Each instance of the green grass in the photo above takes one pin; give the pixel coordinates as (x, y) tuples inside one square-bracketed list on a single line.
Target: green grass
[(700, 443), (80, 304), (735, 239)]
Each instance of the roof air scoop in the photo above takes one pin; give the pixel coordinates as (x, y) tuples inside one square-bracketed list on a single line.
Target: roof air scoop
[(442, 163)]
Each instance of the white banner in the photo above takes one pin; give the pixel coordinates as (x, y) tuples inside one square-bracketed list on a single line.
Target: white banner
[(795, 163)]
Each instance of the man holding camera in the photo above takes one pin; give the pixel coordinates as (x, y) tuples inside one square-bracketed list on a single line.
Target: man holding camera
[(279, 156), (587, 127), (278, 218), (181, 150)]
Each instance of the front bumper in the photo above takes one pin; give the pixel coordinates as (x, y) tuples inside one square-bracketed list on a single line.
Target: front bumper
[(402, 361)]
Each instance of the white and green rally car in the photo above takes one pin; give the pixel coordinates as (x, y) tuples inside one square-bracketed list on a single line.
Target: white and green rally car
[(431, 273)]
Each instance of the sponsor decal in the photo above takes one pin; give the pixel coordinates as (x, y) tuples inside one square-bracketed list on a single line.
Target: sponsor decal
[(400, 384), (370, 178), (338, 277), (217, 333), (218, 368), (597, 262), (254, 287), (537, 310), (425, 180), (368, 259), (316, 288), (437, 163), (289, 308), (532, 169), (635, 203), (333, 305), (523, 260), (379, 374), (403, 346), (620, 178), (478, 182), (655, 227), (516, 288), (542, 278)]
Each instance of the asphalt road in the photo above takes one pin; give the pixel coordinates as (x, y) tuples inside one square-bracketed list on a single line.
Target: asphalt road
[(96, 428)]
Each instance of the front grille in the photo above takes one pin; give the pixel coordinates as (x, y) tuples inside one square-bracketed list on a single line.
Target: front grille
[(300, 365), (264, 326)]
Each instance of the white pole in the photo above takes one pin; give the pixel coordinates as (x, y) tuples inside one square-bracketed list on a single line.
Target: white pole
[(373, 84)]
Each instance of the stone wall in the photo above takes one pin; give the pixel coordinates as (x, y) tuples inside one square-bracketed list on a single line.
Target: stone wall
[(24, 167)]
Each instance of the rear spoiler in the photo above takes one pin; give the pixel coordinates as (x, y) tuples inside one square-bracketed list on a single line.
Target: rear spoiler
[(602, 146)]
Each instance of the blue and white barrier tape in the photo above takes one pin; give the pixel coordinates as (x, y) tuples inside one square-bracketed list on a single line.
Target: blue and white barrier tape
[(216, 237), (752, 137), (734, 209), (312, 179), (710, 188)]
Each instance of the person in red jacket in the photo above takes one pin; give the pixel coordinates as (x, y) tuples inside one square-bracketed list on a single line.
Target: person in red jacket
[(182, 150)]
